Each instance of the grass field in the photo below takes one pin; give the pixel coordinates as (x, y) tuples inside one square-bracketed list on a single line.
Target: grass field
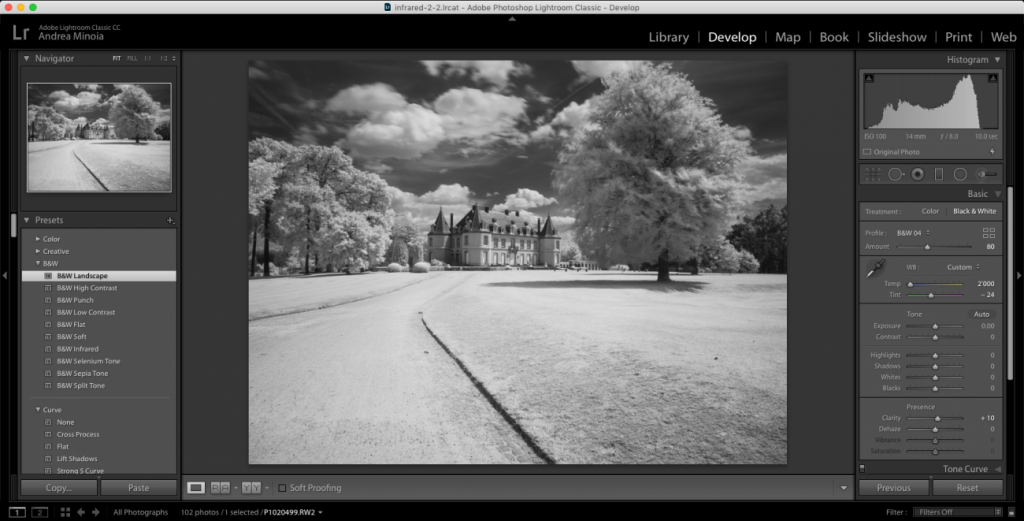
[(613, 368), (129, 166), (275, 296)]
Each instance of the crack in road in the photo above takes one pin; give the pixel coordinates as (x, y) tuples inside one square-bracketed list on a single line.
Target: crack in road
[(495, 404), (93, 174)]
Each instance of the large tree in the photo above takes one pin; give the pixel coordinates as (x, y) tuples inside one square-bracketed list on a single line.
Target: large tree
[(49, 124), (766, 237), (33, 110), (570, 251), (330, 209), (278, 153), (651, 171), (262, 187), (134, 113)]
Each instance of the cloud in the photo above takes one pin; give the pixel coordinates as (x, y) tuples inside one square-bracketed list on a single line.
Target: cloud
[(307, 134), (376, 166), (121, 86), (543, 133), (742, 133), (494, 72), (65, 102), (526, 198), (563, 222), (422, 209), (256, 74), (599, 69), (536, 95), (366, 99), (404, 133), (92, 87), (574, 115), (101, 121), (763, 178), (480, 117), (80, 119)]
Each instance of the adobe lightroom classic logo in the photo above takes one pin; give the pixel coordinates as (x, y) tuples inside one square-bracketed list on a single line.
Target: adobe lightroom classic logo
[(387, 6)]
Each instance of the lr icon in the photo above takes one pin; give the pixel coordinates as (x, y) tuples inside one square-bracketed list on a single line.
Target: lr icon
[(387, 6), (24, 32)]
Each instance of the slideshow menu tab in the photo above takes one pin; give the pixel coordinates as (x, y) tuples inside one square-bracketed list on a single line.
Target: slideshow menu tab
[(98, 351)]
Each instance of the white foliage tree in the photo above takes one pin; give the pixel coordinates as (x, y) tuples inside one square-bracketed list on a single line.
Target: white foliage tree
[(652, 170), (134, 113)]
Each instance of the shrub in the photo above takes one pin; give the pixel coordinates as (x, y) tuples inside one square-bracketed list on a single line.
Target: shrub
[(415, 253), (398, 253), (421, 267), (394, 267), (748, 263), (436, 262)]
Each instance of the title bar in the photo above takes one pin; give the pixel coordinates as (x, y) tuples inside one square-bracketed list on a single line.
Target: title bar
[(540, 7)]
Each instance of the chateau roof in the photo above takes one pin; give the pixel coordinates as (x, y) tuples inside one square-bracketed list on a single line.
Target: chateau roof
[(440, 225), (481, 219), (549, 228)]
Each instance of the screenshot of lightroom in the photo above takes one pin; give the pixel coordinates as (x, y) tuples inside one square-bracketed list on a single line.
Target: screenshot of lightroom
[(266, 259)]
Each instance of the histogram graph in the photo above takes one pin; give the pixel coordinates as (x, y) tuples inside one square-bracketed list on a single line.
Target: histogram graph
[(931, 101)]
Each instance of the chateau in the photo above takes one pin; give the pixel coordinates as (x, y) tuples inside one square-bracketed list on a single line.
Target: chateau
[(94, 131), (486, 238)]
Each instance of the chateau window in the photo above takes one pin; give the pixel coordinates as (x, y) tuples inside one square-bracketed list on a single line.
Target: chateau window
[(430, 241), (558, 245), (520, 244), (503, 243), (485, 240), (465, 240)]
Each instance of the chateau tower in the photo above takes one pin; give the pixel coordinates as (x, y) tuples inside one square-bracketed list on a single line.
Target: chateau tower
[(549, 243), (438, 240)]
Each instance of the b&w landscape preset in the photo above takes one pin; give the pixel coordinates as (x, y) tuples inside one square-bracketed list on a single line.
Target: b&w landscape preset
[(99, 137), (505, 262)]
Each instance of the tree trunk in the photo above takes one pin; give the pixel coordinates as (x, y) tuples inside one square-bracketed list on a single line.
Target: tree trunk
[(266, 240), (307, 241), (695, 270), (136, 140), (663, 267), (255, 229)]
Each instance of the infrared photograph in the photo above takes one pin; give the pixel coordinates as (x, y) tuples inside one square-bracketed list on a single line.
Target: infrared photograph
[(106, 137), (510, 262)]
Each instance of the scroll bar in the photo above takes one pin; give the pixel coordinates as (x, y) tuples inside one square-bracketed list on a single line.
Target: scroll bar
[(1011, 276)]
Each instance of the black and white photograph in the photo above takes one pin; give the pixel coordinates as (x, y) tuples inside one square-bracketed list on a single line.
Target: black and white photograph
[(514, 262), (99, 137)]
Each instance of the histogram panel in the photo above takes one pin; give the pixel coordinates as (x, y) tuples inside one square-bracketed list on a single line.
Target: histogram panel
[(935, 101)]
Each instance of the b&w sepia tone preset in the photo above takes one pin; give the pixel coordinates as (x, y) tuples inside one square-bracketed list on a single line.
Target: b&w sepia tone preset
[(503, 262), (99, 137)]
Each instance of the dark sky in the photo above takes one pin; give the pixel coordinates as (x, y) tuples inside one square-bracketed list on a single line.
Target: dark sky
[(456, 132), (91, 102)]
